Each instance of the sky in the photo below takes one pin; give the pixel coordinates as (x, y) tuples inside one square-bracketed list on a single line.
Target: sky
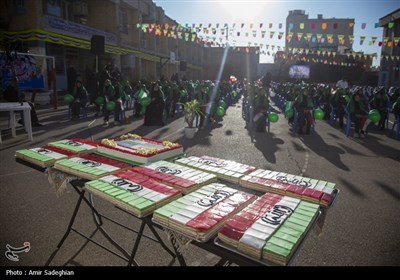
[(275, 12)]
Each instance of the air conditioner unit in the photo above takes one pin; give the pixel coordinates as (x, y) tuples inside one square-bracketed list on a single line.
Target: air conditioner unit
[(80, 8)]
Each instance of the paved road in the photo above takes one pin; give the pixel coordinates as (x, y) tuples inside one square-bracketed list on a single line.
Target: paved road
[(361, 229)]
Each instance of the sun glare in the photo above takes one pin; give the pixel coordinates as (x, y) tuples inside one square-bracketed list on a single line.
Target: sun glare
[(246, 11)]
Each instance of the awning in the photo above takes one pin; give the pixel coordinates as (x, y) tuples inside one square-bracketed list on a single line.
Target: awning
[(51, 37)]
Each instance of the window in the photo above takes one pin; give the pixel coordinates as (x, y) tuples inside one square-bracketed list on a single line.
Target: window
[(123, 21), (19, 6), (53, 7)]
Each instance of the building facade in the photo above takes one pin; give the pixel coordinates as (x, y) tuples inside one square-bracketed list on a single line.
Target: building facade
[(64, 29), (390, 54), (324, 45)]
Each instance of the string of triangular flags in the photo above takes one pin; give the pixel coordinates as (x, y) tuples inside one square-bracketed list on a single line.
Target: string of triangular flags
[(190, 33), (325, 24)]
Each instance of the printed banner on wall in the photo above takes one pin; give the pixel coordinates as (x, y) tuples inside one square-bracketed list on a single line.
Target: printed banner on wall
[(26, 68)]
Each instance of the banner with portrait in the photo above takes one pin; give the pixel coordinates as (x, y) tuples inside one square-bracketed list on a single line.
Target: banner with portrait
[(29, 70)]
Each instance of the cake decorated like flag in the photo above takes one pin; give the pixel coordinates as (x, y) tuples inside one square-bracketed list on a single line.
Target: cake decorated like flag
[(135, 149), (317, 191), (44, 156), (90, 166), (201, 213), (75, 145), (133, 192), (183, 178), (271, 228), (226, 170)]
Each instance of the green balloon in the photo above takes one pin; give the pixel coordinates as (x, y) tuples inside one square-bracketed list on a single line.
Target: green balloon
[(145, 101), (68, 98), (141, 94), (222, 104), (347, 98), (318, 114), (374, 115), (289, 113), (273, 117), (110, 106), (220, 111), (100, 100)]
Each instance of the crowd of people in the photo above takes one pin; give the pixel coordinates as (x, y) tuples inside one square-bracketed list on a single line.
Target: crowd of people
[(337, 100), (165, 96), (113, 95)]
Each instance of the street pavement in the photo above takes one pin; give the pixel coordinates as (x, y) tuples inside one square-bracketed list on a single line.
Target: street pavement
[(361, 228)]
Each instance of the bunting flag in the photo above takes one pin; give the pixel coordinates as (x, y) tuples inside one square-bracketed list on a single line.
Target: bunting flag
[(289, 36), (308, 36), (335, 25), (261, 25), (280, 35), (271, 34), (376, 24), (396, 41), (341, 39), (280, 26), (313, 25), (290, 26), (324, 25), (270, 25), (385, 40), (362, 38), (263, 33), (299, 36), (351, 39), (373, 39), (351, 24), (363, 25), (329, 37), (390, 25), (319, 37), (301, 25), (254, 33)]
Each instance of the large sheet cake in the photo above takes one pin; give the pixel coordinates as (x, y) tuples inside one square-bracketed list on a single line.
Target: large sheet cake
[(227, 170), (201, 213), (90, 166), (317, 191), (271, 228), (180, 177), (133, 192)]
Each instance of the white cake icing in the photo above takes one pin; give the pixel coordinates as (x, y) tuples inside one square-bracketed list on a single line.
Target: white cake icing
[(134, 149)]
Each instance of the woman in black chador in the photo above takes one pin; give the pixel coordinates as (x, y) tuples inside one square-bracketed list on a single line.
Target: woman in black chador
[(155, 111)]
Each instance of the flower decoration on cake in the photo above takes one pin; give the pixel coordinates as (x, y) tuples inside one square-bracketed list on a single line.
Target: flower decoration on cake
[(170, 145), (146, 151), (109, 142), (131, 136)]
